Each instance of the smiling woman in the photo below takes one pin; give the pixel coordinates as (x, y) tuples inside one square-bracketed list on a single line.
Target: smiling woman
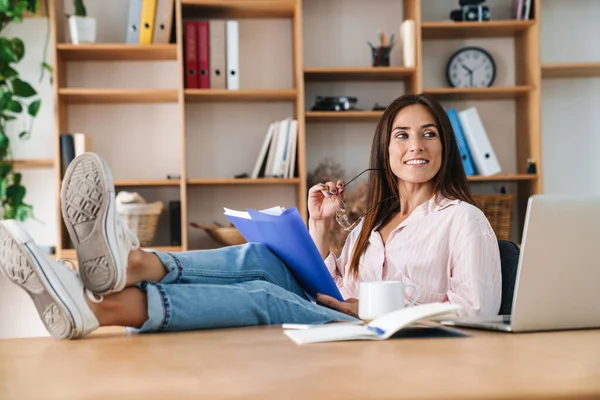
[(433, 236)]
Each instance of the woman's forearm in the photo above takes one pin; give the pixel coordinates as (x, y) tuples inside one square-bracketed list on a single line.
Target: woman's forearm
[(319, 231)]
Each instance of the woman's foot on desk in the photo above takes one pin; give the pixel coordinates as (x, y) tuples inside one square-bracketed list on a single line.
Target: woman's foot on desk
[(56, 290), (102, 240)]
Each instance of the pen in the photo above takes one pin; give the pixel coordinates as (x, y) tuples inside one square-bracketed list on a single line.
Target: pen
[(378, 331)]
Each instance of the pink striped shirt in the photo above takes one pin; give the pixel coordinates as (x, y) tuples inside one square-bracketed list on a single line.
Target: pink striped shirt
[(446, 248)]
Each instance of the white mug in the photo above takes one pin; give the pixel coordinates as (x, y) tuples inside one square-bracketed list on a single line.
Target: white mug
[(379, 298)]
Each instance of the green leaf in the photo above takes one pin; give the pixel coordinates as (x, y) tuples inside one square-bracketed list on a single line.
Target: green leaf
[(4, 142), (5, 170), (34, 107), (6, 97), (7, 52), (47, 67), (14, 106), (24, 212), (9, 213), (2, 188), (24, 135), (22, 88), (17, 44), (9, 73), (10, 117), (4, 6)]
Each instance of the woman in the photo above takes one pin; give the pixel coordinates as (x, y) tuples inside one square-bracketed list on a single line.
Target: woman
[(423, 229)]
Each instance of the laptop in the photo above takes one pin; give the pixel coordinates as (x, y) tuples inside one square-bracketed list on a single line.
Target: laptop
[(558, 276)]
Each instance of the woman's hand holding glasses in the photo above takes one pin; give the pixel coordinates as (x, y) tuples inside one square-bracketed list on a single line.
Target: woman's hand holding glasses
[(325, 199)]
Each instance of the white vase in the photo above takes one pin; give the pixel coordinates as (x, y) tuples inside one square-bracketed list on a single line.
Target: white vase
[(83, 29)]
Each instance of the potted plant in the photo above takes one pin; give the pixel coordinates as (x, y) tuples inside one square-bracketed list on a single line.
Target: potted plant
[(81, 27), (17, 97)]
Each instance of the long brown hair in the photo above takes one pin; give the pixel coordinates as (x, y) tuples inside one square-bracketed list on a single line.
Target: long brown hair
[(450, 181)]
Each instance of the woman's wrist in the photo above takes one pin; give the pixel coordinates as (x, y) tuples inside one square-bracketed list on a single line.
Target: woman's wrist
[(320, 225)]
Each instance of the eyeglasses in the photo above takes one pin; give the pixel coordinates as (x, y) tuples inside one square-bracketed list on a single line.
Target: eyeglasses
[(340, 213)]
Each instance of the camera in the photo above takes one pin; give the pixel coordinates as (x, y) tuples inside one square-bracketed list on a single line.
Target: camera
[(471, 10)]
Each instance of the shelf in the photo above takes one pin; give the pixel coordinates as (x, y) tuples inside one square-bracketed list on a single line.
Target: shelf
[(571, 70), (343, 116), (358, 74), (242, 95), (234, 9), (486, 29), (503, 178), (478, 93), (33, 163), (117, 52), (244, 181), (116, 96), (149, 182)]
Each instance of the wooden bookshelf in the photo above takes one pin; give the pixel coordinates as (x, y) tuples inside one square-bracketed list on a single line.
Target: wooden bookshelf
[(482, 93), (343, 116), (148, 182), (235, 9), (571, 70), (33, 163), (503, 178), (249, 95), (117, 52), (358, 74), (525, 93), (466, 30), (243, 181), (116, 96)]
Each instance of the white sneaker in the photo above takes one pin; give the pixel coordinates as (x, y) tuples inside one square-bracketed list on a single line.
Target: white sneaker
[(101, 238), (56, 290)]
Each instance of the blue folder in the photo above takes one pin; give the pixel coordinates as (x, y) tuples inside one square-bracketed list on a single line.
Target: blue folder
[(463, 148), (286, 235)]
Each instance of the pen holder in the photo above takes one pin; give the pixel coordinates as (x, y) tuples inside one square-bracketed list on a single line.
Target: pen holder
[(381, 56)]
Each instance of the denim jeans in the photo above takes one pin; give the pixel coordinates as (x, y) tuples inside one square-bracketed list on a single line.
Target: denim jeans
[(228, 287)]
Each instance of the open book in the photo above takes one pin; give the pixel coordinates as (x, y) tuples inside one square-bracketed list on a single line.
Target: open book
[(379, 329), (286, 235)]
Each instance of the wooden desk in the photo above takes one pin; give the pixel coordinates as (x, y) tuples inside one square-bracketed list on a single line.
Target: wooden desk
[(261, 362)]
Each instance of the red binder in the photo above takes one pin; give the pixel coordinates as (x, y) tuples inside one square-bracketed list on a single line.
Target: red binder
[(203, 55), (191, 54)]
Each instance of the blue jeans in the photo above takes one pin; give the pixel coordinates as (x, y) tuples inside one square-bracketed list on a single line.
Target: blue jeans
[(228, 287)]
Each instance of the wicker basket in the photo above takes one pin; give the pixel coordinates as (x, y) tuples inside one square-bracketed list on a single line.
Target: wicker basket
[(498, 208), (142, 219)]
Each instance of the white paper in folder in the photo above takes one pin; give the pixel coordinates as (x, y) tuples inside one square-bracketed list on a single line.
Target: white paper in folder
[(479, 144)]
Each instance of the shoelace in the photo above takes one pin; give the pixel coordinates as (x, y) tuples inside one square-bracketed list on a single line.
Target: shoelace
[(94, 298), (132, 239)]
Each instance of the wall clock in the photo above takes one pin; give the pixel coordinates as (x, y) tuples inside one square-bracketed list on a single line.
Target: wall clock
[(471, 67)]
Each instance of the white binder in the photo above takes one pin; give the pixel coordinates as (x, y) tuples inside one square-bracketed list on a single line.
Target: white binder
[(233, 76), (163, 21), (479, 144), (133, 21)]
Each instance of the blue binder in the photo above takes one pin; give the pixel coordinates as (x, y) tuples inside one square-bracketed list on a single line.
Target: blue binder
[(463, 148), (286, 235)]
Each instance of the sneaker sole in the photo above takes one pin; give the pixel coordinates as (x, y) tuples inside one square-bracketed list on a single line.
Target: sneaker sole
[(26, 267), (88, 209)]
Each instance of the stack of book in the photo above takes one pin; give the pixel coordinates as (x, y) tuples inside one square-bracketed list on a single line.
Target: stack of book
[(476, 152), (211, 54), (150, 21), (277, 156)]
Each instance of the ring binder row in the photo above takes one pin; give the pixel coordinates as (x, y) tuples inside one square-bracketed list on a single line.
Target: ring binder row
[(476, 151), (211, 54), (150, 21)]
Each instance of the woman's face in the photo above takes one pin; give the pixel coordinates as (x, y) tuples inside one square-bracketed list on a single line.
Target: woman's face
[(415, 145)]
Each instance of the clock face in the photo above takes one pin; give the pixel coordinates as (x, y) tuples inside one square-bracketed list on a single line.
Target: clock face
[(471, 67)]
